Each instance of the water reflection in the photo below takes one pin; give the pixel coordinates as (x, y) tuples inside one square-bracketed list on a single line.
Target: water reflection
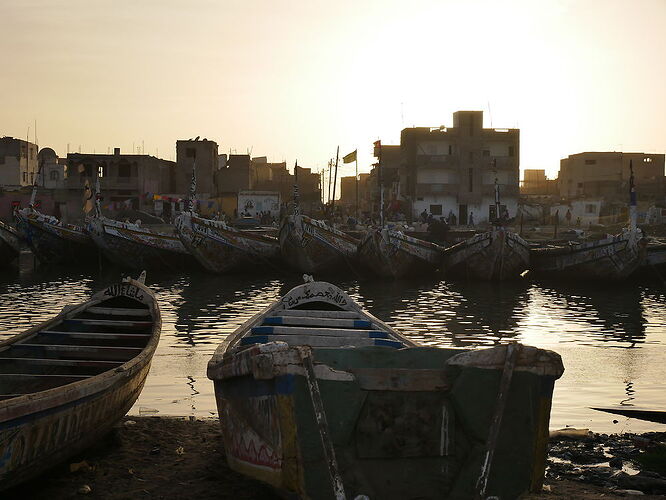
[(585, 323)]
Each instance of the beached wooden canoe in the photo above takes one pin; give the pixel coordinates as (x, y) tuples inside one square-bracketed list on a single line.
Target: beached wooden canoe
[(393, 254), (221, 248), (136, 247), (496, 255), (312, 246), (611, 258), (9, 244), (52, 241), (66, 382), (321, 400)]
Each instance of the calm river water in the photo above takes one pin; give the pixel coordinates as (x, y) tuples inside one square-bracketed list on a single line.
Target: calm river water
[(612, 338)]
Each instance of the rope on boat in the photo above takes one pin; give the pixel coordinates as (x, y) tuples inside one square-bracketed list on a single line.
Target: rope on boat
[(512, 351), (320, 415)]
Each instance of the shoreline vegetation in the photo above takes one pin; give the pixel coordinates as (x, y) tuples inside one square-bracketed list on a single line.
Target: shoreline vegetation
[(176, 457)]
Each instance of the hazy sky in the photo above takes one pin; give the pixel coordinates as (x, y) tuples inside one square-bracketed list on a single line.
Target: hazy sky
[(290, 79)]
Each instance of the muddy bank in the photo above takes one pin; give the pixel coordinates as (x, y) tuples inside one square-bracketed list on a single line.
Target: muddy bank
[(176, 458)]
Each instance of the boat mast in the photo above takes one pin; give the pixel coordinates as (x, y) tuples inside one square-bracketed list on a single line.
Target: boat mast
[(330, 172), (335, 181), (193, 185), (297, 209), (98, 208), (633, 216), (497, 192), (378, 145), (33, 195)]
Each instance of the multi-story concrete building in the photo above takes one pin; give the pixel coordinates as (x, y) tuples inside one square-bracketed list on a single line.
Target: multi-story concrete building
[(606, 175), (51, 169), (18, 163), (452, 171), (207, 163), (132, 179), (535, 183)]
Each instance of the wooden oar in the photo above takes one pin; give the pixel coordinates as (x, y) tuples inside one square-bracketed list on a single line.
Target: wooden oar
[(320, 415)]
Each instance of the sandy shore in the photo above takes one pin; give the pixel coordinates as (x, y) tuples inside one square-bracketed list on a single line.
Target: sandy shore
[(176, 458)]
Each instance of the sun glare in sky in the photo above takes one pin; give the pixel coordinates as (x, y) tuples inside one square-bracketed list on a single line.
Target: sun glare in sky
[(293, 80)]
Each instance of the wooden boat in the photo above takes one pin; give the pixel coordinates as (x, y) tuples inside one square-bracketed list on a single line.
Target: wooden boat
[(320, 399), (311, 246), (221, 248), (9, 244), (496, 255), (52, 241), (66, 382), (613, 257), (649, 415), (134, 246), (393, 254)]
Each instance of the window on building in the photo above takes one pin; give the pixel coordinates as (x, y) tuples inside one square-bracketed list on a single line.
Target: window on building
[(512, 151), (190, 152), (436, 209), (419, 199), (590, 162), (471, 180), (124, 170), (590, 208), (580, 185), (486, 152), (101, 170), (647, 160), (450, 149), (54, 175), (25, 176)]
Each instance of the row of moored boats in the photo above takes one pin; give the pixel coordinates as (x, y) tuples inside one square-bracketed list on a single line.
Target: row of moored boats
[(315, 247)]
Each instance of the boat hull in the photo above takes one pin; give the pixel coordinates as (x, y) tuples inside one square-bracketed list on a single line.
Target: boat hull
[(495, 255), (401, 432), (612, 258), (70, 392), (311, 246), (221, 249), (128, 245), (9, 245), (392, 254), (52, 242)]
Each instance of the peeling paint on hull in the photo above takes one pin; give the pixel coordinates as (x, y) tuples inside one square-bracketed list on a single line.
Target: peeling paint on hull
[(495, 255), (222, 249), (393, 254), (311, 246)]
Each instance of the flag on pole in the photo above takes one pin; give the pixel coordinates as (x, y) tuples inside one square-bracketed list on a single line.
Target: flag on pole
[(350, 157)]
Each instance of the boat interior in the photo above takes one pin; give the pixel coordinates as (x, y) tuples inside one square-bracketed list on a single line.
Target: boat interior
[(320, 324), (99, 338)]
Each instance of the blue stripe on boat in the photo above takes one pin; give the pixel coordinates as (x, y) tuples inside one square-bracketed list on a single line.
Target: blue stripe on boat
[(262, 330), (377, 335), (389, 343), (254, 339), (275, 320), (361, 323)]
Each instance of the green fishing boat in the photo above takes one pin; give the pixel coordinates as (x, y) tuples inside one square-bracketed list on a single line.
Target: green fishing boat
[(320, 399)]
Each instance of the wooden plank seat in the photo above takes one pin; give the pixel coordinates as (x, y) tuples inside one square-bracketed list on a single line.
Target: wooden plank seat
[(318, 313), (314, 332), (95, 363), (118, 311), (109, 322), (320, 340), (96, 335), (102, 353), (314, 321)]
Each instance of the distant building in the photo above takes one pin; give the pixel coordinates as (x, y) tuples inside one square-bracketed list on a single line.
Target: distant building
[(130, 179), (207, 163), (453, 170), (51, 169), (606, 175), (348, 187), (235, 176), (535, 183), (18, 163)]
